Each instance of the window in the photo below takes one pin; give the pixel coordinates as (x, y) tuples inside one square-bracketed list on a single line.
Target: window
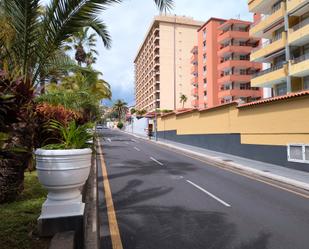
[(243, 57), (298, 153), (280, 89), (243, 71), (306, 83), (204, 68)]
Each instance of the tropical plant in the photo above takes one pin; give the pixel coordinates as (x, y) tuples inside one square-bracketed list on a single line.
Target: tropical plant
[(32, 41), (17, 129), (166, 111), (132, 111), (81, 41), (183, 99), (120, 125), (40, 32), (141, 112), (72, 136), (121, 108)]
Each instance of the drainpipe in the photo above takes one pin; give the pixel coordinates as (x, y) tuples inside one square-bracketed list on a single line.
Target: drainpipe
[(175, 63), (287, 54)]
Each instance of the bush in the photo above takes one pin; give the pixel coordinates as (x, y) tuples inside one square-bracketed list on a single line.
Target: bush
[(47, 112), (120, 125)]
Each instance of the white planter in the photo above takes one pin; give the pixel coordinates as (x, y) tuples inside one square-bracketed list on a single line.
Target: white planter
[(63, 173)]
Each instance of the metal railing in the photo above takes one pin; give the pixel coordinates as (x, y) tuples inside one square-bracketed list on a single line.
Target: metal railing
[(300, 25), (269, 70), (273, 11), (268, 42), (299, 59)]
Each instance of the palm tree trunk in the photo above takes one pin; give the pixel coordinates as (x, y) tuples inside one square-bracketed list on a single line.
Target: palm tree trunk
[(11, 178)]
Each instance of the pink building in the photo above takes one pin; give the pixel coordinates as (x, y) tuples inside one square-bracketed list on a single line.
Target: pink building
[(221, 66)]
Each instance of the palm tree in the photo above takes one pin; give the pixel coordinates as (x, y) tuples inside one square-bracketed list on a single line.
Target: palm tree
[(34, 50), (183, 99), (40, 32), (80, 41), (121, 108)]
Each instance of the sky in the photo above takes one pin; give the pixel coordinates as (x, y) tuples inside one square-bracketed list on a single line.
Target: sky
[(128, 23)]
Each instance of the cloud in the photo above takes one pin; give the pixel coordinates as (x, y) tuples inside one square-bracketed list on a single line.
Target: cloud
[(128, 23)]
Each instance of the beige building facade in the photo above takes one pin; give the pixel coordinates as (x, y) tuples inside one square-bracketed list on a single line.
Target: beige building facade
[(162, 63)]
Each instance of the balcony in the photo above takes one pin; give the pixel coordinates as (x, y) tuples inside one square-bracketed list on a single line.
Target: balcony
[(194, 81), (193, 58), (269, 48), (299, 67), (260, 6), (194, 91), (239, 92), (271, 76), (241, 78), (233, 34), (234, 49), (194, 69), (299, 34), (238, 64), (294, 7), (258, 29), (194, 103)]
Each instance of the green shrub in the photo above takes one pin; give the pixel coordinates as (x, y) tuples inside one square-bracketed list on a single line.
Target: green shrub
[(120, 125), (73, 136)]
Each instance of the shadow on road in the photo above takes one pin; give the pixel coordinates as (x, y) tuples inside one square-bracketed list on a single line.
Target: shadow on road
[(145, 226)]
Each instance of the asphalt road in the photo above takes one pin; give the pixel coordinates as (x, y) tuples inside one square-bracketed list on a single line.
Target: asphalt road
[(166, 200)]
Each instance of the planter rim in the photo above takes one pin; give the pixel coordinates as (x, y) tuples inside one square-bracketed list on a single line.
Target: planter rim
[(44, 152)]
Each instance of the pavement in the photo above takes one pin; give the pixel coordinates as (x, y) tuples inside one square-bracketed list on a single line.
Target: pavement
[(293, 177), (164, 198)]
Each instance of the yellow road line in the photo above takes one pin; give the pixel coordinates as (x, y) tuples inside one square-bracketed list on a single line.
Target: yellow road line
[(112, 220), (234, 171)]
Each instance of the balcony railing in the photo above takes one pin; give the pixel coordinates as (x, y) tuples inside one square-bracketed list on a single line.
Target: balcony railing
[(269, 70), (299, 25), (268, 42), (300, 59), (264, 17)]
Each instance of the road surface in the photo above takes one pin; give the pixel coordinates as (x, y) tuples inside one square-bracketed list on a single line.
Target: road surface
[(157, 198)]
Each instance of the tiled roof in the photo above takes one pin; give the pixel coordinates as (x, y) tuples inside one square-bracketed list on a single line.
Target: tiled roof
[(218, 106), (278, 98)]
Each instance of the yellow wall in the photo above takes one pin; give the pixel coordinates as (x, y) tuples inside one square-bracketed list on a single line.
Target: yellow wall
[(275, 123)]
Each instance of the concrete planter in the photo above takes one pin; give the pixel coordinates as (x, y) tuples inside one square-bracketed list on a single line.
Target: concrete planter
[(63, 173)]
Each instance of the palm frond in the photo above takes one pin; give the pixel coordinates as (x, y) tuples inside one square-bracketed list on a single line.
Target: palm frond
[(164, 5)]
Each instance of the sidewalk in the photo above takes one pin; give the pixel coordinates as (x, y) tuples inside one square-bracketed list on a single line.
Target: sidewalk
[(296, 178)]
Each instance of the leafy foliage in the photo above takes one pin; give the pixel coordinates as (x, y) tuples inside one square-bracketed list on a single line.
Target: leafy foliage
[(72, 136), (47, 112), (38, 33), (121, 108), (120, 125), (183, 99), (17, 129)]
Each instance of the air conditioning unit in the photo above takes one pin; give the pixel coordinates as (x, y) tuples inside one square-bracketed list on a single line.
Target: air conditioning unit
[(298, 153)]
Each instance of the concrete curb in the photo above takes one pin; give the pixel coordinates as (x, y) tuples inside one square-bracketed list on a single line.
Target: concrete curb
[(220, 162)]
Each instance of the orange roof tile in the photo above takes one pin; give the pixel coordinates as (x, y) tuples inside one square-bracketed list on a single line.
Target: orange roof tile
[(273, 99)]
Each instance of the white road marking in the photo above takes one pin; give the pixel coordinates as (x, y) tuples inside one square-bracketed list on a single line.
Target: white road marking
[(137, 149), (109, 140), (156, 161), (210, 194), (133, 140)]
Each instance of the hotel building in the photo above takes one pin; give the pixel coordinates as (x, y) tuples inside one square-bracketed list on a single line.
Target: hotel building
[(284, 27), (221, 68), (162, 63)]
